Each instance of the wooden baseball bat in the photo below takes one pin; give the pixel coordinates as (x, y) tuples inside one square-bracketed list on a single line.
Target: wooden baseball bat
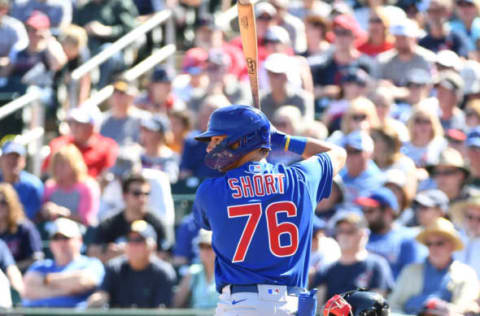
[(248, 33)]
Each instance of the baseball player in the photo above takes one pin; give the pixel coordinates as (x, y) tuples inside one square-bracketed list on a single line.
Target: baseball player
[(260, 213)]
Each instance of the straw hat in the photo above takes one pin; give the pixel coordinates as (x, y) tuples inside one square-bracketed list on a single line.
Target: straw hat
[(443, 227), (457, 210), (449, 157)]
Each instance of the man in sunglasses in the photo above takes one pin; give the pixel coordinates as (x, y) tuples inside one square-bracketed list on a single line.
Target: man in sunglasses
[(138, 269), (110, 235), (69, 278)]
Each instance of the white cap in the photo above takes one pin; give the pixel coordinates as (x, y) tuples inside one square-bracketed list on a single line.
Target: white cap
[(406, 27), (278, 63), (448, 58), (471, 76)]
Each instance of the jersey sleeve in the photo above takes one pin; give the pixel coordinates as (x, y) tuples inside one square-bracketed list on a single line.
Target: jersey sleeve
[(317, 172), (198, 206)]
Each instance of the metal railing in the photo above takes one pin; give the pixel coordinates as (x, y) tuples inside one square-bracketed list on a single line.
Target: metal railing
[(132, 74), (126, 40), (34, 132)]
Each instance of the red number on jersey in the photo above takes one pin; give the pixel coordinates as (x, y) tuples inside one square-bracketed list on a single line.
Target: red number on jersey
[(275, 230)]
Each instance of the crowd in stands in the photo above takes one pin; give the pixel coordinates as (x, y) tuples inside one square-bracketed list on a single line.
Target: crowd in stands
[(395, 82)]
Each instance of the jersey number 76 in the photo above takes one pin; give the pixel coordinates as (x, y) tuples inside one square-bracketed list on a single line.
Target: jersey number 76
[(275, 229)]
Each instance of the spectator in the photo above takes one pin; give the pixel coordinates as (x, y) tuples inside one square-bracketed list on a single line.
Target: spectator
[(473, 154), (439, 276), (59, 12), (158, 98), (407, 54), (439, 35), (110, 234), (69, 278), (392, 12), (426, 137), (191, 163), (98, 152), (29, 188), (466, 215), (139, 269), (470, 73), (325, 250), (105, 22), (379, 38), (467, 21), (396, 181), (199, 282), (450, 95), (356, 268), (181, 123), (185, 251), (122, 121), (450, 174), (74, 41), (155, 134), (20, 234), (361, 174), (294, 26), (12, 33), (5, 296), (472, 114), (70, 192), (429, 205), (316, 28), (10, 269), (328, 207), (302, 9), (447, 60), (391, 242), (281, 92)]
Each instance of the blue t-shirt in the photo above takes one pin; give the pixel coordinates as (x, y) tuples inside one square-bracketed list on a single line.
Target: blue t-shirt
[(261, 218), (30, 191), (369, 180), (193, 158), (93, 265), (6, 258), (25, 242), (398, 246), (371, 273)]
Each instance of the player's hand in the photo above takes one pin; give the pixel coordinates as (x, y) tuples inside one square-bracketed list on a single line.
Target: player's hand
[(277, 138)]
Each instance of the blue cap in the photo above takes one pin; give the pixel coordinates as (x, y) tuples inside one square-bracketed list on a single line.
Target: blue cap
[(162, 74), (13, 147), (359, 140), (156, 123), (473, 137), (382, 197), (318, 224)]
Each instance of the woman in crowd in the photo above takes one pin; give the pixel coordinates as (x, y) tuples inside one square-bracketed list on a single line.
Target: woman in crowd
[(379, 39), (472, 113), (20, 235), (70, 192), (316, 28), (197, 287)]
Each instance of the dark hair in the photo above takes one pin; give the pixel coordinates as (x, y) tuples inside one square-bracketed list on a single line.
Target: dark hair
[(185, 116), (131, 178)]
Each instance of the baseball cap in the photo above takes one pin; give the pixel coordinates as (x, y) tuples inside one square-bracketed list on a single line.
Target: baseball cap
[(432, 198), (82, 114), (348, 22), (156, 123), (207, 21), (419, 76), (13, 147), (278, 63), (406, 27), (38, 20), (65, 227), (265, 8), (356, 75), (451, 80), (353, 218), (194, 61), (397, 177), (448, 157), (277, 34), (447, 58), (382, 197), (144, 229), (162, 74), (125, 87), (473, 137), (455, 134), (359, 140), (471, 77)]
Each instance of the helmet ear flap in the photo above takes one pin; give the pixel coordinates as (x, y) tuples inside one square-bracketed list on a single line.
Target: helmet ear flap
[(337, 306)]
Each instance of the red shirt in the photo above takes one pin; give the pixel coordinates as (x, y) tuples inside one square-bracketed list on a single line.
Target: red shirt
[(373, 50), (99, 154)]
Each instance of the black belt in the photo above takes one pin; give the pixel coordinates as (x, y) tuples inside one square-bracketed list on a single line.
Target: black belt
[(253, 288)]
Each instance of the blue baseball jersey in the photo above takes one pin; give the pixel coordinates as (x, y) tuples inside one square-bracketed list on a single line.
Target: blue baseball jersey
[(261, 218)]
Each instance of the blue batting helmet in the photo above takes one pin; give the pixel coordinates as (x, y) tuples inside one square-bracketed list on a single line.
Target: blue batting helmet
[(243, 125)]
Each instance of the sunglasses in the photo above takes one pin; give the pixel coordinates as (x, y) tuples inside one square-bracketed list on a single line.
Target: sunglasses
[(352, 151), (375, 20), (421, 121), (470, 113), (138, 193), (59, 238), (265, 18), (439, 243), (358, 117), (348, 232), (450, 172), (464, 4), (415, 85), (370, 210), (136, 240), (472, 218), (342, 32)]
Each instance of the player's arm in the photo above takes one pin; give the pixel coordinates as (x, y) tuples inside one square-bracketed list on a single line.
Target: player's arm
[(308, 147)]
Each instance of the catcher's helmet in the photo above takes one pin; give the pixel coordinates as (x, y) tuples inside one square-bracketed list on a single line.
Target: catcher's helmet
[(246, 128), (357, 303)]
